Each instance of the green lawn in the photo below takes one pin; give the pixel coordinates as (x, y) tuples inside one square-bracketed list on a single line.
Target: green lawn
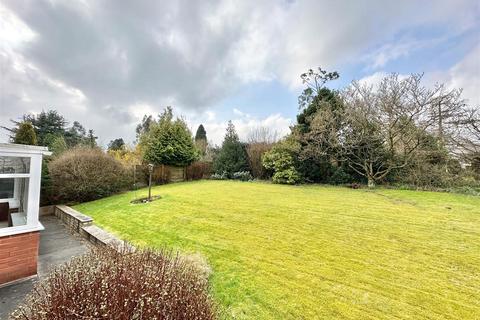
[(315, 252)]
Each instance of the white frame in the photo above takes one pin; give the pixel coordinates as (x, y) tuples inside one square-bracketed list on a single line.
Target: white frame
[(34, 178)]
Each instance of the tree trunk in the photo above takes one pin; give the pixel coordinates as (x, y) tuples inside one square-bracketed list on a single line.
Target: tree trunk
[(371, 182)]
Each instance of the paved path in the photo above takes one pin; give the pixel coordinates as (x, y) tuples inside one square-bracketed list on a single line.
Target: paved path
[(57, 246)]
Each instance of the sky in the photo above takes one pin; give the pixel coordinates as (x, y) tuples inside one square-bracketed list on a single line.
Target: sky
[(107, 63)]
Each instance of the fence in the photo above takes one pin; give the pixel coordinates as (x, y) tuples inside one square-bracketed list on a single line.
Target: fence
[(165, 173)]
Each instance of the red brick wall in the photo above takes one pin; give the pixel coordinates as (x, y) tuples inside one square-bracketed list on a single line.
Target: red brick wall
[(18, 256)]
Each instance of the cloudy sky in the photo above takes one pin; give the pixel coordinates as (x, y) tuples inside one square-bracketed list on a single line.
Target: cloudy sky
[(106, 63)]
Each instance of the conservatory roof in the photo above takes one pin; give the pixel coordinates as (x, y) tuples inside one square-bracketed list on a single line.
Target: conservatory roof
[(23, 148)]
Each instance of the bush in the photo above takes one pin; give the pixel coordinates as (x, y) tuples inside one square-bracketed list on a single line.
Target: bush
[(83, 174), (340, 176), (242, 176), (281, 162), (105, 284), (219, 176)]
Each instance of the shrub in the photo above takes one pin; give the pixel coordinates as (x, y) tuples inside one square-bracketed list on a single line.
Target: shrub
[(219, 176), (281, 161), (83, 174), (242, 176), (105, 284), (340, 176)]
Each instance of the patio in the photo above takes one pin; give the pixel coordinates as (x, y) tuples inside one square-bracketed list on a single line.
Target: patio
[(57, 246)]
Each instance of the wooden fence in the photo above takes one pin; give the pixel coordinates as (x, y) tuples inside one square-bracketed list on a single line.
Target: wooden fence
[(165, 173)]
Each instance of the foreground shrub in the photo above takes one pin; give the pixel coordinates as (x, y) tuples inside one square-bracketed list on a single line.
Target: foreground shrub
[(83, 174), (105, 284)]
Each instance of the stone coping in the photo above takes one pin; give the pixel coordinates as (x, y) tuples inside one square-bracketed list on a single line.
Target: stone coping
[(83, 225)]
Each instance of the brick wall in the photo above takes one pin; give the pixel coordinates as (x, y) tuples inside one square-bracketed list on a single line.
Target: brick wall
[(18, 256)]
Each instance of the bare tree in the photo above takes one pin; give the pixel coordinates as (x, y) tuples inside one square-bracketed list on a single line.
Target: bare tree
[(259, 141), (384, 124)]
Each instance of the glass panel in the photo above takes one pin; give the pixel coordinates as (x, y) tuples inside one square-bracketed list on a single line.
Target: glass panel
[(13, 212), (7, 188), (14, 164)]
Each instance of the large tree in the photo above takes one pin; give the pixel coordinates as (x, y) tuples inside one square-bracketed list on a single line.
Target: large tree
[(385, 124), (49, 126), (316, 101), (168, 141), (232, 156)]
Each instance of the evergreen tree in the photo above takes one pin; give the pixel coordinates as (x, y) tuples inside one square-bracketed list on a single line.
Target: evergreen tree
[(117, 144), (25, 134), (91, 139), (58, 145), (232, 156), (168, 141), (201, 133), (201, 140)]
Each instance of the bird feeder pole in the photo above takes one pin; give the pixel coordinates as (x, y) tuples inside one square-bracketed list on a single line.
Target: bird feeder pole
[(150, 170)]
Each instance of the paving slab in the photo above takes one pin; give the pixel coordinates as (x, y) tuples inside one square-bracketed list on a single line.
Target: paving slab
[(57, 246)]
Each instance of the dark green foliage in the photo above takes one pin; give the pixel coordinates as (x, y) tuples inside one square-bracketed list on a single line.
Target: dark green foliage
[(25, 134), (232, 157), (325, 98), (49, 126), (168, 141), (201, 140), (46, 124), (201, 133), (47, 197), (117, 144), (315, 124), (84, 174), (340, 176), (75, 135)]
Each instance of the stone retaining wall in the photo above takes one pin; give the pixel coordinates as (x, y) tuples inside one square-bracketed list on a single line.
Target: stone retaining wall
[(83, 225)]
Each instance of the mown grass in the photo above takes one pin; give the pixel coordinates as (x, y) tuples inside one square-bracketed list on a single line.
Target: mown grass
[(315, 252)]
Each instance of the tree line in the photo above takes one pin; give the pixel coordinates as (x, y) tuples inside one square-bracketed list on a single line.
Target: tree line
[(398, 132)]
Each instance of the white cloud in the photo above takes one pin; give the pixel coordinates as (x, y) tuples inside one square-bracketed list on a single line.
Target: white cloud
[(244, 124), (101, 62), (466, 75)]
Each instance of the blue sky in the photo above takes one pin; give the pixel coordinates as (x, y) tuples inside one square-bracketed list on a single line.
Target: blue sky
[(107, 63)]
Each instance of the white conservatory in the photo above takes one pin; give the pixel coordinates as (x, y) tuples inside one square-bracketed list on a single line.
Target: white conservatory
[(20, 175)]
